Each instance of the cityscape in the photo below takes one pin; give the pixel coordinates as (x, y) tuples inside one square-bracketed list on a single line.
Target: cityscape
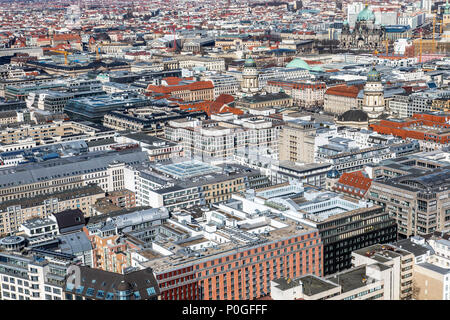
[(237, 150)]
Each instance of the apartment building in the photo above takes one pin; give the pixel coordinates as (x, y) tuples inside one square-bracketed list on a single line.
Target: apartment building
[(225, 136), (180, 185), (16, 211), (185, 89), (56, 130), (210, 64), (267, 100), (111, 251), (417, 200), (345, 225), (429, 129), (297, 141), (105, 170), (151, 120), (96, 284), (223, 84), (304, 93), (218, 262), (37, 276), (400, 260), (356, 160), (360, 283), (341, 98)]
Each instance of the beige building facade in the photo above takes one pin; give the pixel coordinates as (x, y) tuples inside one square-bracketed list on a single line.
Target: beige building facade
[(297, 142)]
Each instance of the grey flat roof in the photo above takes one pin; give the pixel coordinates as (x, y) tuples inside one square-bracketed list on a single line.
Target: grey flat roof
[(74, 243), (415, 249), (65, 167), (434, 268), (313, 285)]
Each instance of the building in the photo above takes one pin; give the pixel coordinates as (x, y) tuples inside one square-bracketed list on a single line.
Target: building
[(250, 84), (184, 89), (401, 261), (13, 136), (366, 35), (36, 276), (345, 225), (223, 84), (235, 265), (431, 282), (94, 108), (304, 93), (150, 119), (413, 195), (429, 129), (98, 284), (15, 212), (297, 142), (111, 251), (354, 184), (340, 98), (158, 149), (312, 173), (371, 282), (31, 180), (225, 136), (189, 183), (265, 100)]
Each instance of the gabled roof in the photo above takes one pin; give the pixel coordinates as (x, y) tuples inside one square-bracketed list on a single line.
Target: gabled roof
[(356, 182)]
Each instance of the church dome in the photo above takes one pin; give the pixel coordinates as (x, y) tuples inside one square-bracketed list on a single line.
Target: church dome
[(250, 63), (298, 63), (333, 174), (353, 115), (373, 75), (366, 15)]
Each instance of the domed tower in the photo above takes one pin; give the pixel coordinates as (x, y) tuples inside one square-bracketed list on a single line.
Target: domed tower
[(373, 103), (250, 77), (366, 35), (366, 15), (331, 179), (446, 16)]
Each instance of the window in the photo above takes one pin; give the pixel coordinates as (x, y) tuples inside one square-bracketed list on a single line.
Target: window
[(137, 295), (79, 289), (100, 294), (90, 292), (151, 291), (109, 296)]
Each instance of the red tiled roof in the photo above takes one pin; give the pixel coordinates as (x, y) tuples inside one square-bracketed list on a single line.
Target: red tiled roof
[(65, 37), (199, 85), (344, 90), (353, 183)]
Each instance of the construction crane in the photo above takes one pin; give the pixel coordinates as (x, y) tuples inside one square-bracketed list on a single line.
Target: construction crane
[(65, 53)]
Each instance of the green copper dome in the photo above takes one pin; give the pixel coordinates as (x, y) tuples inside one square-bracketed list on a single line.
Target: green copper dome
[(366, 15), (373, 75), (297, 63), (250, 63)]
